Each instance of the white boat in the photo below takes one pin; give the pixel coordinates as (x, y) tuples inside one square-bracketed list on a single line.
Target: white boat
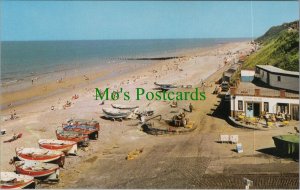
[(68, 147), (116, 113), (11, 180), (41, 155), (124, 107), (40, 170)]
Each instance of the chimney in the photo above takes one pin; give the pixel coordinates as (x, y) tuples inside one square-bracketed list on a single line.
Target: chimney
[(233, 91), (256, 92), (282, 93)]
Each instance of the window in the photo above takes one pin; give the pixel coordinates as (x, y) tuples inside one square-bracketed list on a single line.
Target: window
[(249, 106), (282, 108), (240, 105), (266, 106), (278, 78), (257, 70)]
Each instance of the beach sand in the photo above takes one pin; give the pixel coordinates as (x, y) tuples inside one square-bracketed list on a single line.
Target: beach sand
[(181, 161)]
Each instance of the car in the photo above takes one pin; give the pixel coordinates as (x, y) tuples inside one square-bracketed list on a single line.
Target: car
[(227, 97), (225, 86)]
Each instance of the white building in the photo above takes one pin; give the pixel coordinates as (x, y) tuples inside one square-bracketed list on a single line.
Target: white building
[(253, 101), (247, 75), (278, 78)]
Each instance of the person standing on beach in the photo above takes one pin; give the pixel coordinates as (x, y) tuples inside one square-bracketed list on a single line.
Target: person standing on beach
[(191, 107)]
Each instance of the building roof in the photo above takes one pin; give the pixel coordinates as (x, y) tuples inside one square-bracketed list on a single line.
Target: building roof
[(228, 74), (276, 70), (247, 73), (248, 89)]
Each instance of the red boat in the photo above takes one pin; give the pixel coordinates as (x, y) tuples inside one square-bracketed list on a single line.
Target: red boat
[(11, 180), (90, 131), (40, 170), (79, 138), (87, 127), (68, 147), (42, 155), (92, 123)]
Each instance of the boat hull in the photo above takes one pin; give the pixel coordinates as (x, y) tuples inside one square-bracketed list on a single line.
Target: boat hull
[(57, 158), (90, 131), (117, 114), (19, 186), (22, 181), (66, 148), (124, 107), (36, 174), (52, 173), (81, 140)]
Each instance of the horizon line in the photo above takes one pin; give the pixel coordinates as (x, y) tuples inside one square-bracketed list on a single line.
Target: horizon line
[(125, 39)]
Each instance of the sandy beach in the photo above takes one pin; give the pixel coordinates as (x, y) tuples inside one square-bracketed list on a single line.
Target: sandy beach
[(193, 160)]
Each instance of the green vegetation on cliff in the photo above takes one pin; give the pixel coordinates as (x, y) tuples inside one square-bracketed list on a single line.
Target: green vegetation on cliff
[(279, 47)]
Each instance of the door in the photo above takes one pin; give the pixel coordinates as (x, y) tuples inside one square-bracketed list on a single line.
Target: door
[(295, 112), (256, 109), (249, 109)]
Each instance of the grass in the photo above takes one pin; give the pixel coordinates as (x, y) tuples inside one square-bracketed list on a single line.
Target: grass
[(280, 48)]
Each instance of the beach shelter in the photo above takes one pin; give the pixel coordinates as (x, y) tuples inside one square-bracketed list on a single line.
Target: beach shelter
[(247, 75)]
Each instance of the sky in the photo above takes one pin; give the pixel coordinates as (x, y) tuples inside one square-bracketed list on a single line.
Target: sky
[(90, 20)]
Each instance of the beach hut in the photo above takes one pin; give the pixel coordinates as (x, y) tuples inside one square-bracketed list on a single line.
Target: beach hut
[(277, 78), (247, 75)]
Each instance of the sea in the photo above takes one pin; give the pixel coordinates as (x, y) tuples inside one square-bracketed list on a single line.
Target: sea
[(24, 60)]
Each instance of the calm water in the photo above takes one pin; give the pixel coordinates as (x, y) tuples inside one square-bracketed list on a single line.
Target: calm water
[(20, 60)]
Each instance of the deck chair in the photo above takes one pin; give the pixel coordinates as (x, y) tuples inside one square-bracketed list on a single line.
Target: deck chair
[(234, 139), (224, 138)]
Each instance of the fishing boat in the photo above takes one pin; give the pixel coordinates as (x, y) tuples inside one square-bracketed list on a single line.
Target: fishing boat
[(116, 112), (40, 170), (68, 147), (79, 138), (84, 122), (91, 131), (42, 155), (165, 87), (287, 144), (11, 180), (124, 107)]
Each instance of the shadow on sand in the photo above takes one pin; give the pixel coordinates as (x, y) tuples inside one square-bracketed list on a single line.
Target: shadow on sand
[(272, 151), (220, 110)]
